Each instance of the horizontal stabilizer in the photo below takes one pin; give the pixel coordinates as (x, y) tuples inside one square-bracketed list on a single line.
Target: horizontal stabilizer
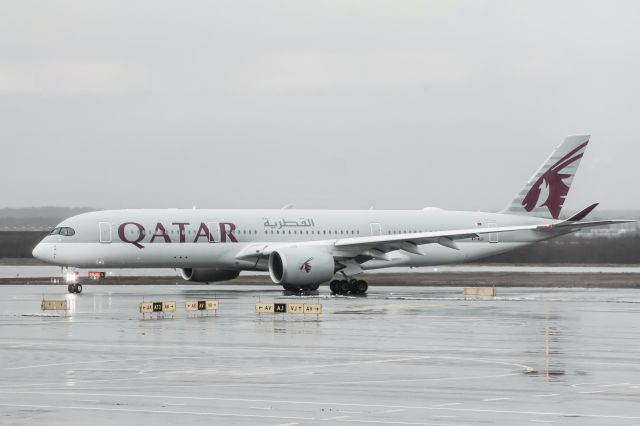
[(582, 214)]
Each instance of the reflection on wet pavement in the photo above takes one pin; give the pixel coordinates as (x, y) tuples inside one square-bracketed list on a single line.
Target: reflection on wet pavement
[(414, 355)]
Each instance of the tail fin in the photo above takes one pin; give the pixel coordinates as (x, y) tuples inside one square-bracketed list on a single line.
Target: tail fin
[(544, 193)]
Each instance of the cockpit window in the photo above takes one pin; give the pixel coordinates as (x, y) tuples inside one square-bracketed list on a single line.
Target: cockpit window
[(64, 231), (67, 232)]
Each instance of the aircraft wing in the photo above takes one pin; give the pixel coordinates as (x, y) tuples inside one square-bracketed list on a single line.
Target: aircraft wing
[(378, 245), (410, 242)]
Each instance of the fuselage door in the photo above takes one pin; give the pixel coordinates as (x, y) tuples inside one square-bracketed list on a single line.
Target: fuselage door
[(493, 237), (105, 232), (214, 232), (376, 229)]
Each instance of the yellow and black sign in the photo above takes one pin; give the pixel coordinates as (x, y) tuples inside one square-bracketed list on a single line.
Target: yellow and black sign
[(292, 308), (264, 308), (296, 308), (312, 308), (54, 305), (480, 291), (146, 307), (156, 307), (201, 305)]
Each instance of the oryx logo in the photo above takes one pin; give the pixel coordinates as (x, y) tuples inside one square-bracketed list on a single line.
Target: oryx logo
[(306, 266), (553, 179)]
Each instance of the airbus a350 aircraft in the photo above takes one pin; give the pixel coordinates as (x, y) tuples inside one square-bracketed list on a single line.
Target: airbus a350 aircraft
[(303, 248)]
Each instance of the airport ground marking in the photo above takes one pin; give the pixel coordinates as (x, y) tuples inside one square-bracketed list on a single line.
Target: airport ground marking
[(392, 422), (441, 407), (495, 399), (135, 410)]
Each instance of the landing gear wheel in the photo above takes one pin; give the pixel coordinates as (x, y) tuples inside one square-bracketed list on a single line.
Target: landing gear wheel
[(353, 286), (314, 287), (71, 288), (78, 288), (334, 286), (343, 287), (362, 286)]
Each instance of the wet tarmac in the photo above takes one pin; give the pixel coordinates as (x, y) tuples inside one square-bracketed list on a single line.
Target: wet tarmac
[(403, 356)]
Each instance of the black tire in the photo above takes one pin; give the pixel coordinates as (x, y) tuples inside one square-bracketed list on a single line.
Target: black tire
[(343, 287), (78, 288), (362, 286), (353, 286), (333, 285), (71, 288), (314, 287)]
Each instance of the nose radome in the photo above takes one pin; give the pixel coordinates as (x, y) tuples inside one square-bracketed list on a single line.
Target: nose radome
[(38, 252)]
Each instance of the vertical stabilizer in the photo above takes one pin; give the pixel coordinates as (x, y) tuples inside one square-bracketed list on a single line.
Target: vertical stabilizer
[(545, 192)]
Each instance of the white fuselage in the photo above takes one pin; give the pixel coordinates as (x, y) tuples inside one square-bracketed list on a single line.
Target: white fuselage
[(177, 238)]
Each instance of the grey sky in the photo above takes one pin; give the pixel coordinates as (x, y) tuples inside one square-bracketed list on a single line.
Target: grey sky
[(329, 104)]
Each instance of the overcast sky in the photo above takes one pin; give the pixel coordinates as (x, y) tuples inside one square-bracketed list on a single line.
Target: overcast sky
[(328, 104)]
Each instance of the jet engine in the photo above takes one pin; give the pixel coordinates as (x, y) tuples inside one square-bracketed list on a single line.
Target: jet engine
[(208, 275), (297, 267)]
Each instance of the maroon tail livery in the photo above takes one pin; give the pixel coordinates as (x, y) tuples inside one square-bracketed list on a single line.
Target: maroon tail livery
[(554, 177)]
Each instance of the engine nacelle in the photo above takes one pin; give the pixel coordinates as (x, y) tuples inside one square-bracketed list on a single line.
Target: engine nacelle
[(301, 267), (208, 275)]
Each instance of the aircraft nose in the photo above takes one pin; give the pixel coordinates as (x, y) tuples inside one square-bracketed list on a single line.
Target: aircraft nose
[(38, 252)]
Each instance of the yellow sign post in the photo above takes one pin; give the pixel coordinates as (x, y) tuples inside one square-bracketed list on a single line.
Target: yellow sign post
[(480, 291), (292, 308), (54, 305)]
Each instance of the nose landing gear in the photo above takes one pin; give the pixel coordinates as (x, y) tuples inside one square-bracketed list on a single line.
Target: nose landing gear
[(352, 286), (75, 288)]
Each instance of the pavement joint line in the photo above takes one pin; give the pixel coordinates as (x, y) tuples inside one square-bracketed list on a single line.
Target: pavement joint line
[(271, 384), (545, 395), (392, 422), (447, 406), (395, 410), (595, 391), (614, 385), (495, 399), (286, 424), (336, 418), (136, 410)]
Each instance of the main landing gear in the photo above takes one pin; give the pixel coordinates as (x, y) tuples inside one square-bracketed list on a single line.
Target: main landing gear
[(75, 288), (348, 286), (300, 290)]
